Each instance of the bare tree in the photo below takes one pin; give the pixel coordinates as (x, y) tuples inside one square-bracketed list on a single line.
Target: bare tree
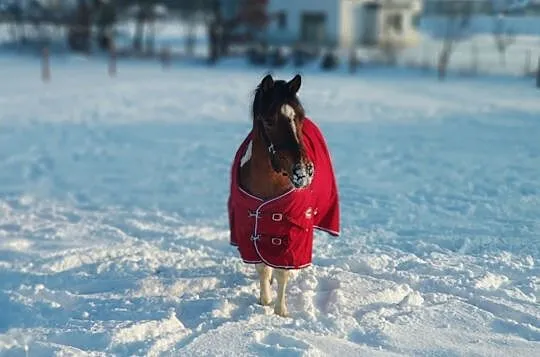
[(145, 15), (458, 15), (12, 13), (215, 31), (251, 15), (80, 28), (189, 10), (106, 17), (141, 10)]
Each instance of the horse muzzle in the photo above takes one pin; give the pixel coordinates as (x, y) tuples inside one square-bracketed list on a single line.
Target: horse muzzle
[(302, 174)]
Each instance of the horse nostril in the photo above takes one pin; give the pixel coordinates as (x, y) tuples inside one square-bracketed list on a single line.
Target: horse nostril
[(285, 174), (310, 170)]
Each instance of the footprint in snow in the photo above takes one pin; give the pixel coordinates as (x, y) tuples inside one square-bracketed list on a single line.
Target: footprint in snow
[(274, 343)]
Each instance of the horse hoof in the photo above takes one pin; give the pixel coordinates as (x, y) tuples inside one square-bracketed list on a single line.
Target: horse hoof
[(265, 302), (281, 312)]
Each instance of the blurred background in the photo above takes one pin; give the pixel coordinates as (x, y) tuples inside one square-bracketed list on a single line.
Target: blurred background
[(467, 37), (119, 121)]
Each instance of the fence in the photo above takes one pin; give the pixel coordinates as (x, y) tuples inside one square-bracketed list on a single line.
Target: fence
[(478, 56)]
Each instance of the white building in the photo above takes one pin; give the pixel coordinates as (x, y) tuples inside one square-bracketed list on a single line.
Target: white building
[(344, 23)]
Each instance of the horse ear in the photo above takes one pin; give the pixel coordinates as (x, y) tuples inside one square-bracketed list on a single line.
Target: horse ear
[(294, 84), (267, 83)]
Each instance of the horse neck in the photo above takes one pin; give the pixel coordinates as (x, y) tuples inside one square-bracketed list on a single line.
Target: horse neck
[(258, 176)]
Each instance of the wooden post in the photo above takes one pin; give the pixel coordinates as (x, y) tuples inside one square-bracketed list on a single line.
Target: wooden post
[(112, 60), (166, 57), (527, 69), (353, 61), (425, 58), (45, 65)]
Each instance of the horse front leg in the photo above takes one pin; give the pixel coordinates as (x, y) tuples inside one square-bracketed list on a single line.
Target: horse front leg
[(282, 277), (265, 274)]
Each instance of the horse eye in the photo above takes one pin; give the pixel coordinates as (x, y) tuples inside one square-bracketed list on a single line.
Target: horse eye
[(269, 121)]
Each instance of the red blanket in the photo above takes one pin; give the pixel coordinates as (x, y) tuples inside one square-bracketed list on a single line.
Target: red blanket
[(279, 231)]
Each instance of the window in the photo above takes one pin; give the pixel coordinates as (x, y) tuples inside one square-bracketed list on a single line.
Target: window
[(395, 22), (282, 20), (313, 27)]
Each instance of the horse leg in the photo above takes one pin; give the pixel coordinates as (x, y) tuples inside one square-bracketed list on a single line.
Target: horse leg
[(265, 274), (282, 276)]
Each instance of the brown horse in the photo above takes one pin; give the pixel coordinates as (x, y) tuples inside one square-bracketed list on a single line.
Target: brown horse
[(277, 198)]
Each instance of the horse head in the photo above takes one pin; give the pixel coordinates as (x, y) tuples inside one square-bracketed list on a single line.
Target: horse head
[(278, 116)]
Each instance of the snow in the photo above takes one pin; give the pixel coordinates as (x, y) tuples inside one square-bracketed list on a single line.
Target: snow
[(114, 235)]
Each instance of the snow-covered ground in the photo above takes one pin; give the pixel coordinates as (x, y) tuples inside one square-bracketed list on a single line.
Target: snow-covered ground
[(113, 227)]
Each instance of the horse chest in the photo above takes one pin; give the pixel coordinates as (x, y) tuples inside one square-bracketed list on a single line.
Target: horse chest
[(265, 185)]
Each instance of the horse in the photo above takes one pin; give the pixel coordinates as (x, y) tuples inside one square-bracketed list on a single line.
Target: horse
[(282, 187)]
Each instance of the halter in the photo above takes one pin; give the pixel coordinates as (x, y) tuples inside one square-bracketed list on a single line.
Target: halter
[(271, 149)]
